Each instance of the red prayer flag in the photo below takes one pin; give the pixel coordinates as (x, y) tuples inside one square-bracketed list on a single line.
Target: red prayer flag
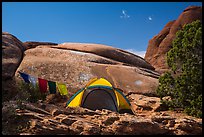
[(42, 85)]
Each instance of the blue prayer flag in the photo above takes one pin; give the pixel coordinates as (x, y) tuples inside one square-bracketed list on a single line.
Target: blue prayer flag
[(25, 77)]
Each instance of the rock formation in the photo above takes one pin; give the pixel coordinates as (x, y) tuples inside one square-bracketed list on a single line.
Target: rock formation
[(160, 44), (49, 119), (78, 67), (12, 54), (108, 52)]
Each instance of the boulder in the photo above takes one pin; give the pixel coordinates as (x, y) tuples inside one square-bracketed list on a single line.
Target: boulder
[(76, 68), (108, 52), (144, 103), (12, 54)]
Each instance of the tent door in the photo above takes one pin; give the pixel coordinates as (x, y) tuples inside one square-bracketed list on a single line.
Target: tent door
[(99, 99)]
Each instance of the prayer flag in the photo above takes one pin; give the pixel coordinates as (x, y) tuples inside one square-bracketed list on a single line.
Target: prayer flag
[(62, 89), (52, 87), (25, 77), (42, 85), (33, 80)]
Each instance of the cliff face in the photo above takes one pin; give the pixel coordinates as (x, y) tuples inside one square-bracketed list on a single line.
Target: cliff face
[(160, 44)]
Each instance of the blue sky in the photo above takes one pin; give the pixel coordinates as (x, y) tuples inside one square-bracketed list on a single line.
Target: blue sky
[(124, 25)]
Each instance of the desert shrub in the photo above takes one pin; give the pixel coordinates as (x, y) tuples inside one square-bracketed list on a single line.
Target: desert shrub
[(184, 82), (30, 93)]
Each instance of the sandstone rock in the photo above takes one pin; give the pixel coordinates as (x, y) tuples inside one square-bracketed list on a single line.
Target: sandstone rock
[(153, 45), (81, 121), (33, 44), (67, 121), (137, 126), (77, 68), (141, 102), (85, 128), (12, 54), (160, 44), (108, 52)]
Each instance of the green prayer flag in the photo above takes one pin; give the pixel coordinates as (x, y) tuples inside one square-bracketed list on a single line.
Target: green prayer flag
[(52, 87)]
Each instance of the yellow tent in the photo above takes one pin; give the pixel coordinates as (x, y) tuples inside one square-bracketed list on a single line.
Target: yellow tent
[(100, 94)]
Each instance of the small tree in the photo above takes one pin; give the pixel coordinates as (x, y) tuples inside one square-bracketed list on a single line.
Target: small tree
[(184, 82)]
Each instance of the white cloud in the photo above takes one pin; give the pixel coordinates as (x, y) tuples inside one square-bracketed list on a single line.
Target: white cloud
[(125, 15), (150, 18), (139, 53)]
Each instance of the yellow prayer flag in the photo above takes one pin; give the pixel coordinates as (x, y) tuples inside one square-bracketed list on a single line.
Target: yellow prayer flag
[(62, 88)]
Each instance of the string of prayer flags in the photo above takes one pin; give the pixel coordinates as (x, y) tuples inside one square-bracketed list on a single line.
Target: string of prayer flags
[(33, 80), (25, 77), (42, 85), (62, 88), (52, 87)]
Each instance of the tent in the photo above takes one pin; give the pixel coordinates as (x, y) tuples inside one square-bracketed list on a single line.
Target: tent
[(100, 94)]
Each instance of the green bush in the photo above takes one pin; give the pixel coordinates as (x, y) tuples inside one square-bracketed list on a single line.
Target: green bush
[(30, 93), (184, 82)]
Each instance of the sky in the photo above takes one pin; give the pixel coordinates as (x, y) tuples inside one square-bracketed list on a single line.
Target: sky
[(124, 25)]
